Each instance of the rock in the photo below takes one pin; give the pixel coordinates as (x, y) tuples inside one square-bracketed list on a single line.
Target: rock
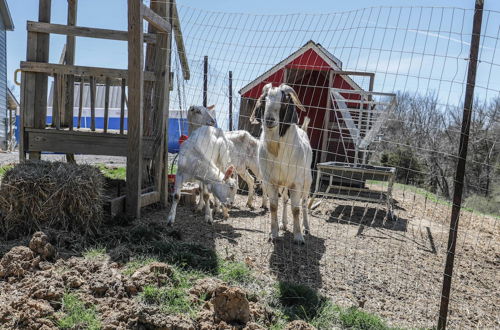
[(16, 262), (40, 245), (299, 325), (231, 305)]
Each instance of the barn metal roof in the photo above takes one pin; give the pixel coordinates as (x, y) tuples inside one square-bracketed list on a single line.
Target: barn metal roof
[(328, 57)]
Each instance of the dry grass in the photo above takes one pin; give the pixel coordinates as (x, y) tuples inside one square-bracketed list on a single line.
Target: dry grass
[(36, 195)]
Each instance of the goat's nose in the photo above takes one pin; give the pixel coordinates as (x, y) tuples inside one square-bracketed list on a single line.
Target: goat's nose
[(270, 122)]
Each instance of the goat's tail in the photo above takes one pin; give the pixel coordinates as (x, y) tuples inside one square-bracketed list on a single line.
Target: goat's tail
[(305, 124)]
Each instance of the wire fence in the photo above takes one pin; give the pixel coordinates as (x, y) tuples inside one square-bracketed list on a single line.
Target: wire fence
[(383, 89)]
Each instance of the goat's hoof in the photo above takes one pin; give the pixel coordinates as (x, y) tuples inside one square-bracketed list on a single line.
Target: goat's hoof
[(283, 227), (169, 224), (250, 206), (306, 232), (209, 221), (299, 239)]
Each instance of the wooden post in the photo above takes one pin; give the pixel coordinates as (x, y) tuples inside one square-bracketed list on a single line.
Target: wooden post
[(80, 103), (122, 107), (161, 102), (70, 79), (462, 159), (135, 100), (106, 104), (325, 135), (230, 100), (205, 80), (92, 103), (35, 93)]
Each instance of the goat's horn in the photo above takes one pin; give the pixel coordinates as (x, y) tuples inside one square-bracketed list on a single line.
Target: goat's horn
[(293, 95)]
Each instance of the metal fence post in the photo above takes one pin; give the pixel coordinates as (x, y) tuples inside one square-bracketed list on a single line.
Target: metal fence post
[(460, 172)]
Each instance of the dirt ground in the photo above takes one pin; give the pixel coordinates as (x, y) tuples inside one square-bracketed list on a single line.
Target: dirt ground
[(394, 269)]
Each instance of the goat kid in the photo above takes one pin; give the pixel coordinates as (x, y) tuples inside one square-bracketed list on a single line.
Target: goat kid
[(204, 157), (285, 154)]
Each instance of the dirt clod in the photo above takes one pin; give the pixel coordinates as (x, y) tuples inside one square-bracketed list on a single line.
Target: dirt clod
[(299, 325), (231, 305), (156, 273), (16, 262), (205, 287), (40, 245)]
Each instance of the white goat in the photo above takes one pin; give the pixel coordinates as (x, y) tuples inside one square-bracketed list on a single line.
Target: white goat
[(285, 154), (205, 157)]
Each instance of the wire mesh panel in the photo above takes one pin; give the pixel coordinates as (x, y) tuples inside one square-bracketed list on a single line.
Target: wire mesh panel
[(373, 89)]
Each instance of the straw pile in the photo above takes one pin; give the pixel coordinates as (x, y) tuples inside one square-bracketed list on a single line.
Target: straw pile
[(38, 194)]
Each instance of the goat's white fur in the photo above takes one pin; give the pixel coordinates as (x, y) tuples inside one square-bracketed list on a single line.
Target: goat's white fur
[(205, 157)]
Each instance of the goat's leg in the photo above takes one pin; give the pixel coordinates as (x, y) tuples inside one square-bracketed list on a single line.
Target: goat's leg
[(175, 200), (248, 178), (305, 195), (264, 196), (273, 201), (208, 212), (295, 198), (284, 216), (201, 203)]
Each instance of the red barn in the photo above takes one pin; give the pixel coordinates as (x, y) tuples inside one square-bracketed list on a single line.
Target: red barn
[(311, 71)]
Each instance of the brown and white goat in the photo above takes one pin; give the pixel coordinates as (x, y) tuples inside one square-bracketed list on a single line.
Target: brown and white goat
[(285, 154)]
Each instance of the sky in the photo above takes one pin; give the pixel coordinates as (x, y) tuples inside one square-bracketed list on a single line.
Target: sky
[(413, 49)]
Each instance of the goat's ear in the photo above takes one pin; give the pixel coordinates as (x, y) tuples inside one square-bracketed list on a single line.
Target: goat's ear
[(212, 107), (258, 110), (229, 172)]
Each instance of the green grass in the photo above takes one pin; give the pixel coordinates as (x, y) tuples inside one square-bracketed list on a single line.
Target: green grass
[(119, 173), (132, 266), (234, 272), (355, 318), (299, 302), (4, 168), (96, 253), (471, 206), (76, 315), (174, 298)]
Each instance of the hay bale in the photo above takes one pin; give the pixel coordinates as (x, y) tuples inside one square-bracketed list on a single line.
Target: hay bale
[(39, 194)]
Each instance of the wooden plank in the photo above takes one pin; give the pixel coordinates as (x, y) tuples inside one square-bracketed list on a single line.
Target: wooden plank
[(87, 32), (80, 104), (22, 153), (117, 205), (135, 83), (179, 41), (92, 103), (163, 166), (160, 113), (150, 198), (122, 107), (51, 68), (70, 79), (42, 55), (106, 105), (205, 81), (56, 111), (90, 143), (154, 19)]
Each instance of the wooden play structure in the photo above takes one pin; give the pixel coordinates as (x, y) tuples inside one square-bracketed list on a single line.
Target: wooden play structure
[(144, 139)]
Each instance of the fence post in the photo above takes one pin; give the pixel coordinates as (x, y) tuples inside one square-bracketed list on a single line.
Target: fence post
[(230, 100), (460, 172), (205, 80)]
